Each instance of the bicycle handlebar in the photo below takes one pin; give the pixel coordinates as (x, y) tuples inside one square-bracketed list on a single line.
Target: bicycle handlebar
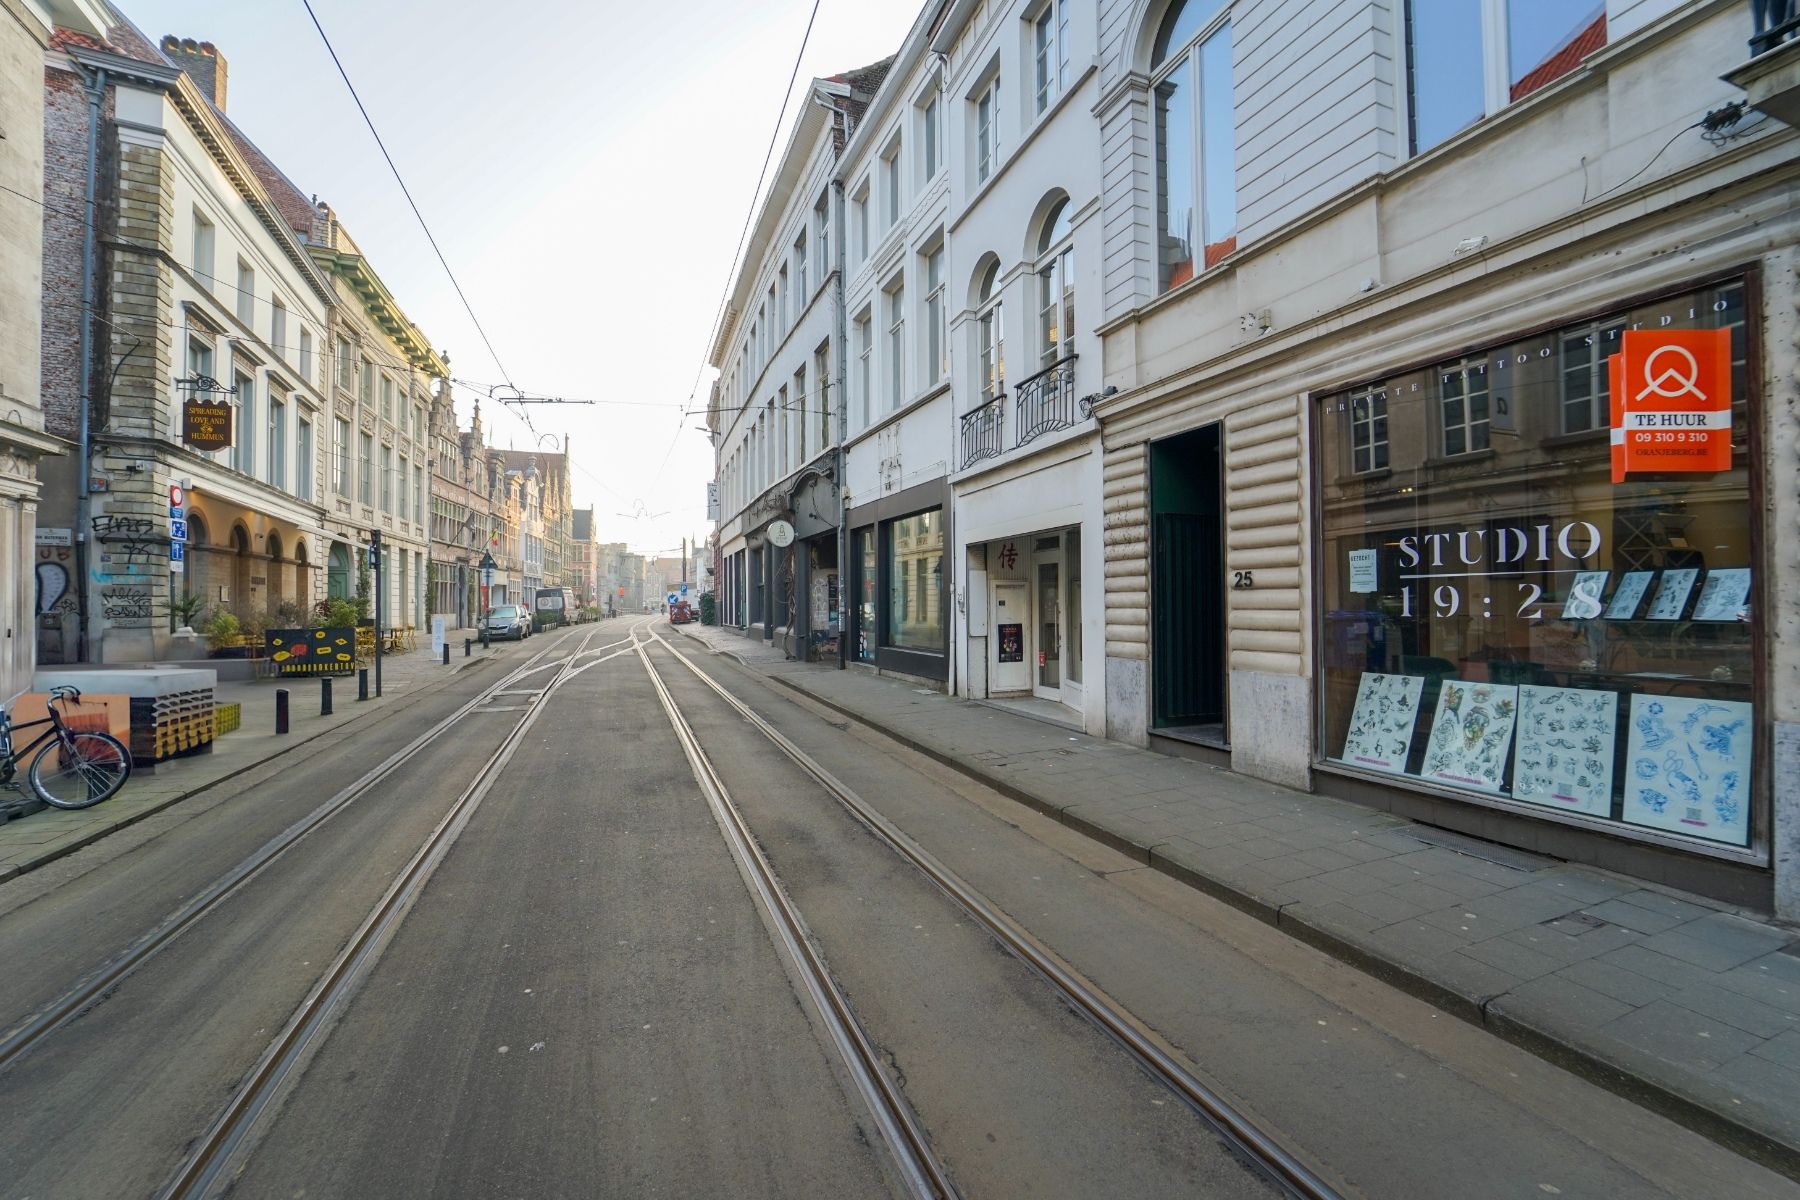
[(67, 693)]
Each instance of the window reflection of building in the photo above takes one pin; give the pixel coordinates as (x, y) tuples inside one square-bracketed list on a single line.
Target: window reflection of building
[(915, 575)]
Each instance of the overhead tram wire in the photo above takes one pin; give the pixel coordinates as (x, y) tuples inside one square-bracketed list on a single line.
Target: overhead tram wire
[(407, 192), (744, 234)]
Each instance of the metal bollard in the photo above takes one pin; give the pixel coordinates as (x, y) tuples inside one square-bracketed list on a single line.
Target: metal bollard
[(466, 644), (446, 654), (325, 696), (362, 684), (281, 710)]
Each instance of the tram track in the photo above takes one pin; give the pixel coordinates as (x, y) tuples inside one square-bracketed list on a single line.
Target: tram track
[(97, 983), (1255, 1145), (213, 1157)]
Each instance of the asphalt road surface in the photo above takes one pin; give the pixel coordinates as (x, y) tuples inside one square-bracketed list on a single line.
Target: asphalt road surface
[(586, 998)]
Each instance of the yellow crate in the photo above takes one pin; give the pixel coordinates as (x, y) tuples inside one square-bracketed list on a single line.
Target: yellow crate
[(226, 718)]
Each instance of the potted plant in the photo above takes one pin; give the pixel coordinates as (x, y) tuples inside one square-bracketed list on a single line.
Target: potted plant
[(223, 634)]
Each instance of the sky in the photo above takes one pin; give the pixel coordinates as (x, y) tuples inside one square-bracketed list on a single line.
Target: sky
[(586, 167)]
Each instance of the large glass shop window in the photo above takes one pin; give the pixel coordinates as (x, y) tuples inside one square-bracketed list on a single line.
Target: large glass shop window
[(1502, 618)]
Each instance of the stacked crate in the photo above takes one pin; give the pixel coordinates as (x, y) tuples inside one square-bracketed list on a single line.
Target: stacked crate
[(170, 724)]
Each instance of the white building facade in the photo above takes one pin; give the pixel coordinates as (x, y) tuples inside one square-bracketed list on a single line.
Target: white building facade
[(775, 411), (1020, 289)]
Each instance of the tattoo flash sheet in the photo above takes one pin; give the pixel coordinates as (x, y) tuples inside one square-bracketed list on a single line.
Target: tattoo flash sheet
[(1471, 733), (1381, 724), (1563, 756), (1687, 763)]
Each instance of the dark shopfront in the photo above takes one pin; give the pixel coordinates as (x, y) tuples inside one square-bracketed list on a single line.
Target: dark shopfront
[(1518, 642), (899, 590)]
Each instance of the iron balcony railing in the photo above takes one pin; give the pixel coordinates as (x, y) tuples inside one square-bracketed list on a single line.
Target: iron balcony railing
[(981, 431), (1777, 21), (1046, 401)]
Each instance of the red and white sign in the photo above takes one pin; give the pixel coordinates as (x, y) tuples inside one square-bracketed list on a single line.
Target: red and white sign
[(177, 497), (1671, 402)]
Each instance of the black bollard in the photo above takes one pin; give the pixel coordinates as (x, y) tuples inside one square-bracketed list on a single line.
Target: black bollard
[(362, 684), (281, 710), (466, 644), (446, 653), (325, 695)]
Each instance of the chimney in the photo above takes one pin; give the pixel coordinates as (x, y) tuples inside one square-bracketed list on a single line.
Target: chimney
[(203, 64)]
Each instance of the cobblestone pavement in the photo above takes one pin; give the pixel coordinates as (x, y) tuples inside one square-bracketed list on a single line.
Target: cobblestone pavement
[(1679, 1002)]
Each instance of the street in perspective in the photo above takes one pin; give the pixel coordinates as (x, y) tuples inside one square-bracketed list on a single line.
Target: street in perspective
[(1321, 721)]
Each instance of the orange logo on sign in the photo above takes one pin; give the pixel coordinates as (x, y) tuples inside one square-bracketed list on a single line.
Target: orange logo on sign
[(1671, 402)]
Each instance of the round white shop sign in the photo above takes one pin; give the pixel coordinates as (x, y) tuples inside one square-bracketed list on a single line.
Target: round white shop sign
[(781, 534)]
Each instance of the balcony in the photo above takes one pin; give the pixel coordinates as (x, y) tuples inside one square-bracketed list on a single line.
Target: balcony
[(981, 431), (1046, 402), (1771, 79)]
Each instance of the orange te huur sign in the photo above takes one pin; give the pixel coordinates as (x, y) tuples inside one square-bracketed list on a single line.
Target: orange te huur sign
[(1671, 402)]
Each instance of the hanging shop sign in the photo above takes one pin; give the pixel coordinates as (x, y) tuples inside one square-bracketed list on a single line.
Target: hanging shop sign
[(1671, 402), (780, 534), (206, 424)]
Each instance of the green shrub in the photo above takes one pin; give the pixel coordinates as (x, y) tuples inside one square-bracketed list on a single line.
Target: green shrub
[(337, 613), (222, 626), (709, 609)]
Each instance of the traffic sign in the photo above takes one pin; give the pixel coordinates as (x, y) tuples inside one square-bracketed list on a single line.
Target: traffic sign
[(177, 495), (177, 551), (177, 531)]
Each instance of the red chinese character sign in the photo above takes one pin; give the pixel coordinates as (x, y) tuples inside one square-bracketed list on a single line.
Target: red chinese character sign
[(1671, 402)]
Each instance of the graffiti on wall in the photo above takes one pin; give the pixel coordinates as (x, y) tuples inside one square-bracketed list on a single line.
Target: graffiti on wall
[(125, 602)]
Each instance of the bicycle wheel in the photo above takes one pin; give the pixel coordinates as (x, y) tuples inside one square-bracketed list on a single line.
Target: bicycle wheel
[(92, 768)]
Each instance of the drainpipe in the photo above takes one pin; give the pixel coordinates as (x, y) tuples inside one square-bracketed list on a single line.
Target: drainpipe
[(95, 85)]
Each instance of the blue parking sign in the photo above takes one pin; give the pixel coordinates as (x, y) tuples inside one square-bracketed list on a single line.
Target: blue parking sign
[(177, 530)]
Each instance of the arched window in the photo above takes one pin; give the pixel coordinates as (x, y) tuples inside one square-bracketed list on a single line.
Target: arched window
[(990, 335), (1196, 145), (1056, 285)]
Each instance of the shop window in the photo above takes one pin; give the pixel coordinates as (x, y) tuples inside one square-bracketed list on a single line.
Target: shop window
[(867, 569), (915, 569), (1523, 630)]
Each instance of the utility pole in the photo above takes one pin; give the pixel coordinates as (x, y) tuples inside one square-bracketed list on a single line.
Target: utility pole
[(380, 593)]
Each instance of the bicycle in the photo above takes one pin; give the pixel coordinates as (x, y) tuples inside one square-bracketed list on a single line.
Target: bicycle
[(77, 768)]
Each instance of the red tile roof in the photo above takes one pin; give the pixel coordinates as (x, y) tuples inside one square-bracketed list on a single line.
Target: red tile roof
[(1563, 59)]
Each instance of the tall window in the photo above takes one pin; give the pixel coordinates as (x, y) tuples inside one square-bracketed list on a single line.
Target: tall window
[(200, 356), (1586, 396), (929, 133), (800, 291), (277, 441), (822, 234), (987, 131), (346, 366), (303, 461), (890, 174), (827, 396), (419, 495), (990, 337), (863, 332), (785, 308), (387, 398), (365, 388), (243, 445), (1369, 430), (1465, 408), (896, 347), (341, 457), (306, 356), (387, 479), (1050, 53), (859, 215), (1056, 285), (1452, 79), (278, 327), (803, 406), (937, 362), (1196, 144), (783, 439), (203, 248), (246, 294), (365, 468)]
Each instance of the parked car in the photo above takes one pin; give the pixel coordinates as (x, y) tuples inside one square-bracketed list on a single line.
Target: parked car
[(509, 622), (680, 613)]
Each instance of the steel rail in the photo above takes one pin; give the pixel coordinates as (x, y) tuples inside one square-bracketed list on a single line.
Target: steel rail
[(212, 1157), (1276, 1162), (924, 1175), (102, 979)]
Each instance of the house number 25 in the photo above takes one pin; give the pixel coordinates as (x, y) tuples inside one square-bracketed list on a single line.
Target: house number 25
[(1243, 579)]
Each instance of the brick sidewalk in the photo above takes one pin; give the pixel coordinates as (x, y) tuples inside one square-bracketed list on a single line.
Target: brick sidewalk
[(30, 841), (1674, 1001)]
